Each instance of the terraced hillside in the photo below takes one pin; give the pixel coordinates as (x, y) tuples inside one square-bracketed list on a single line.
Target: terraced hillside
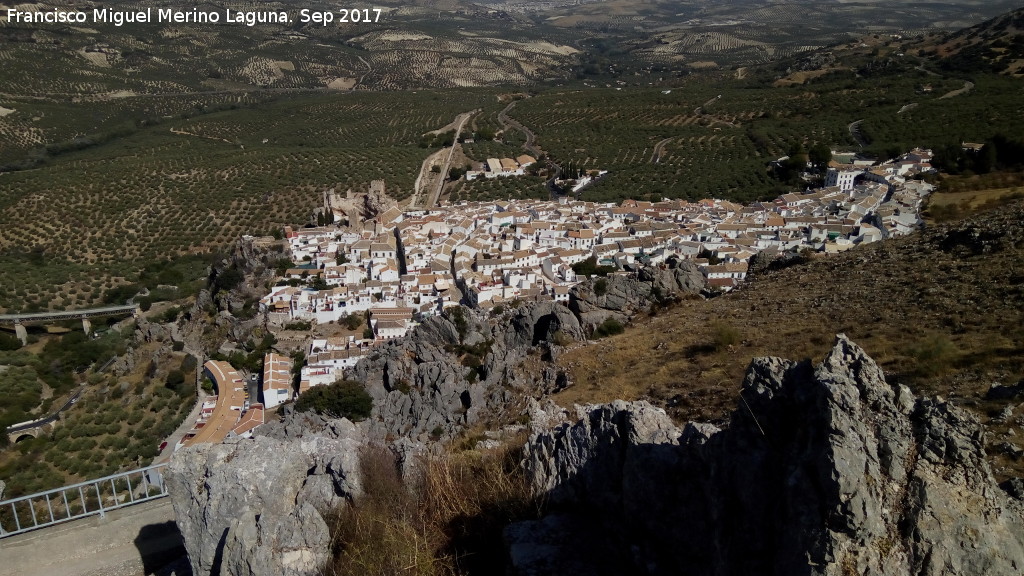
[(717, 134)]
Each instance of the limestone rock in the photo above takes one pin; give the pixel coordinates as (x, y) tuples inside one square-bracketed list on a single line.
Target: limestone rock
[(621, 296), (823, 469), (255, 507), (451, 371), (531, 325)]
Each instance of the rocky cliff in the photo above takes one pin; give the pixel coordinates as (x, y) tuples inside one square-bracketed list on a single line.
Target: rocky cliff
[(457, 370), (256, 507), (823, 469), (621, 297), (461, 369)]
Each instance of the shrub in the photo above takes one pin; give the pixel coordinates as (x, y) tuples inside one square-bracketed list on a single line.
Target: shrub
[(228, 279), (933, 354), (601, 287), (352, 321), (8, 342), (609, 327), (560, 338), (343, 399), (171, 314), (724, 335), (458, 317), (589, 267)]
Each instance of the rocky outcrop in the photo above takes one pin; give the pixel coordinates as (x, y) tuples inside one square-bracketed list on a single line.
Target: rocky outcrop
[(227, 310), (823, 469), (622, 296), (253, 507), (454, 370)]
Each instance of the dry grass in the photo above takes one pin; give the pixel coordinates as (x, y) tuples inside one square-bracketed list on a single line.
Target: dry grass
[(449, 522), (938, 318), (974, 199)]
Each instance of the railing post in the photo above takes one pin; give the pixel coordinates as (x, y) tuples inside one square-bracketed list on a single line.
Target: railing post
[(99, 499), (67, 507)]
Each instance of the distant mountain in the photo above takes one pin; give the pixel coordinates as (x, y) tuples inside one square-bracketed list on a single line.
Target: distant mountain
[(996, 45)]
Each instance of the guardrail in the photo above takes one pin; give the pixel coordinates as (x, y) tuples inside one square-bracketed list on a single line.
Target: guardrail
[(43, 509)]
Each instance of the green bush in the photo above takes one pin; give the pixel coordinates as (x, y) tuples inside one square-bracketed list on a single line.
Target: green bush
[(724, 335), (589, 267), (601, 287), (458, 317), (8, 342), (609, 327), (934, 354), (353, 321), (343, 399)]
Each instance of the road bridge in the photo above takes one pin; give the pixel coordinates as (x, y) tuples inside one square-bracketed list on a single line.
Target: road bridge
[(19, 321)]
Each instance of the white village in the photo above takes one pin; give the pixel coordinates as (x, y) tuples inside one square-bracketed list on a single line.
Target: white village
[(398, 267)]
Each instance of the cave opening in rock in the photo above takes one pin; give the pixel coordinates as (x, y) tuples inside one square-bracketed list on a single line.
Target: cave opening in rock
[(545, 327)]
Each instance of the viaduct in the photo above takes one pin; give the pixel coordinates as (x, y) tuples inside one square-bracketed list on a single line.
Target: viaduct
[(19, 321)]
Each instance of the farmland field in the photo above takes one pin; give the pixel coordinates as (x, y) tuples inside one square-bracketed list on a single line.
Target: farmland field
[(722, 133), (89, 220)]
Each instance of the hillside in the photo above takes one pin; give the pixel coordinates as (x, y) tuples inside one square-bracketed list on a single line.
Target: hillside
[(996, 45), (941, 311)]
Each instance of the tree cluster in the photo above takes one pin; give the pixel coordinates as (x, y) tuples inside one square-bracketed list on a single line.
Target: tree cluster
[(343, 399)]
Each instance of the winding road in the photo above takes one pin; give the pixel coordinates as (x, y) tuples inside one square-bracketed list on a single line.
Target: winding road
[(531, 138), (531, 146), (659, 149), (854, 129), (46, 419)]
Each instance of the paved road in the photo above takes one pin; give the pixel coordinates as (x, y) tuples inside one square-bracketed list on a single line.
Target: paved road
[(131, 541), (854, 129), (43, 421), (531, 138), (531, 146), (184, 428), (659, 148)]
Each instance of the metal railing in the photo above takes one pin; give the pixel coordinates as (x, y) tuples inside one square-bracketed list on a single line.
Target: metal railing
[(100, 496)]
